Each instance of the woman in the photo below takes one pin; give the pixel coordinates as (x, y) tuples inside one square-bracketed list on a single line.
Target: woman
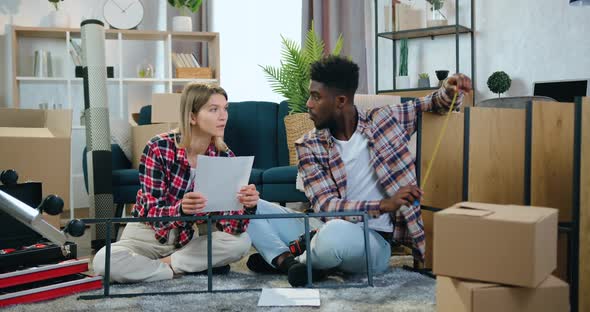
[(160, 250)]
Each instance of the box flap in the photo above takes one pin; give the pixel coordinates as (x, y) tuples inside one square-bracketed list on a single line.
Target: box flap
[(25, 132), (166, 107), (22, 118), (59, 122), (470, 209), (510, 213)]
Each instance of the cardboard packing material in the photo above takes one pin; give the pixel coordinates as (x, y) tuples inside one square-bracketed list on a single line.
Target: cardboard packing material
[(507, 244), (455, 295), (408, 17), (165, 107), (141, 136), (36, 143)]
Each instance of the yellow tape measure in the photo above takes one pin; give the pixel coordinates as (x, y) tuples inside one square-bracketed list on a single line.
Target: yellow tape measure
[(440, 136)]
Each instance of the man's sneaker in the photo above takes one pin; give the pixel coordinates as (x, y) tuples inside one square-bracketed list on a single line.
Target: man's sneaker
[(297, 247), (256, 263), (297, 275)]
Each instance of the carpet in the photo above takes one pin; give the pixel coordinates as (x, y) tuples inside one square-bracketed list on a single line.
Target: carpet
[(395, 290)]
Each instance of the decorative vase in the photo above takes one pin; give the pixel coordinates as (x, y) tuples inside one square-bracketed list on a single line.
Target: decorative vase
[(145, 70), (59, 19), (182, 23), (435, 17), (424, 83), (441, 75), (402, 82), (296, 125)]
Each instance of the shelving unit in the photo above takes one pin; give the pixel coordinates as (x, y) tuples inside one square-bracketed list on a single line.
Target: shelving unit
[(59, 46), (126, 92), (432, 32)]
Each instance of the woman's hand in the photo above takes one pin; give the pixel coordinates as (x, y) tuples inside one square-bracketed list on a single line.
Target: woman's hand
[(193, 203), (248, 196)]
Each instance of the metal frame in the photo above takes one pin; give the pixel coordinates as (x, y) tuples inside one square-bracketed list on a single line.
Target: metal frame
[(571, 229), (209, 219), (394, 47), (574, 234)]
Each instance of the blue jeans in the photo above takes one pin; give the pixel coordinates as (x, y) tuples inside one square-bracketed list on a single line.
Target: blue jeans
[(338, 244)]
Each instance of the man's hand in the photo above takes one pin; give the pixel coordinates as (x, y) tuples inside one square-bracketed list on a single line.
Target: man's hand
[(458, 82), (248, 196), (193, 203), (404, 196)]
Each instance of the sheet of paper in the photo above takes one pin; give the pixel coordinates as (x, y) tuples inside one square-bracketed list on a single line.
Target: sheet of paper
[(282, 297), (220, 180)]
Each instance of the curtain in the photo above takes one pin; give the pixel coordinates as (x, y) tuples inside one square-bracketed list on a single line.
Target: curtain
[(351, 18)]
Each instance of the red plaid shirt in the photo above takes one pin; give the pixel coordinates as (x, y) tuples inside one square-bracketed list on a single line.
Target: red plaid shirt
[(388, 130), (164, 174)]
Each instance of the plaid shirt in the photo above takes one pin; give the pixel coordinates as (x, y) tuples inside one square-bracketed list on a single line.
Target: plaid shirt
[(164, 174), (388, 130)]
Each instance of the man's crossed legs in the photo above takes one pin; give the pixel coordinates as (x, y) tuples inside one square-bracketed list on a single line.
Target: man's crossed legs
[(337, 245)]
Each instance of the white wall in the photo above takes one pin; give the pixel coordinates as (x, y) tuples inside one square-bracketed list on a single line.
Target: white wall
[(531, 40), (250, 34)]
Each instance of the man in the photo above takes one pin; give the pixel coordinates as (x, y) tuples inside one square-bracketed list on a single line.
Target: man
[(352, 161)]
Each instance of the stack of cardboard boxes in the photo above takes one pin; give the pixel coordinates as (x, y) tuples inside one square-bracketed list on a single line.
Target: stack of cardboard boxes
[(165, 117), (36, 143), (497, 258)]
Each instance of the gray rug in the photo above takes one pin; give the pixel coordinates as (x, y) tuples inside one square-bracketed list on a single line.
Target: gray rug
[(396, 290)]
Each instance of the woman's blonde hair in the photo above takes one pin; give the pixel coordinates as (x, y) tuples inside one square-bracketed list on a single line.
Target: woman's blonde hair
[(194, 97)]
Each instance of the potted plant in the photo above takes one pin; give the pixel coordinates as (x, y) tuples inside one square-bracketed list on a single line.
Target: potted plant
[(424, 80), (403, 80), (184, 22), (58, 18), (499, 82), (291, 80), (436, 18)]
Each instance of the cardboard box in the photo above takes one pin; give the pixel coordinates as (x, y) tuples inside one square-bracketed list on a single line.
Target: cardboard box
[(165, 107), (141, 135), (36, 143), (454, 295), (506, 244)]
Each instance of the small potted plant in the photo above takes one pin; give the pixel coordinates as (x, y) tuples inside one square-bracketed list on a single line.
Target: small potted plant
[(499, 82), (424, 80), (184, 22), (59, 18)]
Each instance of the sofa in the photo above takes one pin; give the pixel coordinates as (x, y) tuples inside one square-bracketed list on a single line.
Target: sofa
[(257, 128)]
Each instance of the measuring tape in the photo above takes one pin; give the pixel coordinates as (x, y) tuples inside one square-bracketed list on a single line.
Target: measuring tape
[(444, 129)]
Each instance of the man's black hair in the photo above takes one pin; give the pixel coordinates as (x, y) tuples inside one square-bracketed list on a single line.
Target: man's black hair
[(336, 72)]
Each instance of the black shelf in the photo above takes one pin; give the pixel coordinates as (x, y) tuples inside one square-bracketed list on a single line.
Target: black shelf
[(426, 32), (455, 29), (409, 89)]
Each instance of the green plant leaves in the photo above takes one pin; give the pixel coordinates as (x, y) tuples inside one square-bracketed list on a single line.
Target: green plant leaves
[(183, 5), (292, 78)]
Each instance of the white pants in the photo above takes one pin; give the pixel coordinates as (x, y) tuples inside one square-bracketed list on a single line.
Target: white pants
[(135, 258)]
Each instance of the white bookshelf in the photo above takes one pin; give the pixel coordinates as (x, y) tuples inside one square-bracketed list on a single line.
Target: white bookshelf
[(119, 42), (126, 92)]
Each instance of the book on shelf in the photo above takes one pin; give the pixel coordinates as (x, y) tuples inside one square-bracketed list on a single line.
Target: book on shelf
[(184, 60)]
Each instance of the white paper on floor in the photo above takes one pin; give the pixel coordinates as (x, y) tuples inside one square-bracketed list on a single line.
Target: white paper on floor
[(281, 297)]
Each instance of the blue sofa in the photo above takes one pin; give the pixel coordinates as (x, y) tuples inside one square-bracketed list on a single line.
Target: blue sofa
[(253, 129)]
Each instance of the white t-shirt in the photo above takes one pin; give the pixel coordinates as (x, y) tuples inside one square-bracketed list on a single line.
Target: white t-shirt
[(361, 179)]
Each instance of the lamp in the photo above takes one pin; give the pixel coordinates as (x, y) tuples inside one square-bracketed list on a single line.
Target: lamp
[(579, 2)]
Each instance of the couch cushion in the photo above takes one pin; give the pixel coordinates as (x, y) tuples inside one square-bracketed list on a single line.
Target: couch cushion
[(125, 177), (282, 193), (256, 176), (252, 131), (280, 175)]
